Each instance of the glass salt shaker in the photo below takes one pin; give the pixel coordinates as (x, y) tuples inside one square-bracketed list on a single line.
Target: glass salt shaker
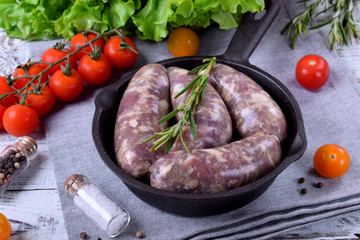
[(99, 206), (14, 159)]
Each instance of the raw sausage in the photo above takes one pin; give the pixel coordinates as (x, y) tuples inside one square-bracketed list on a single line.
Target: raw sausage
[(218, 169), (212, 119), (251, 108), (144, 103)]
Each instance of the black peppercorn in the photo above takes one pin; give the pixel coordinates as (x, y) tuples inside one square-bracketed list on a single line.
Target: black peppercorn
[(303, 191), (301, 180), (83, 235), (139, 234), (9, 165), (11, 152), (319, 185)]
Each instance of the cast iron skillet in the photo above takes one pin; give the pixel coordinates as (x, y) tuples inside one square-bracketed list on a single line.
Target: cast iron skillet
[(242, 45)]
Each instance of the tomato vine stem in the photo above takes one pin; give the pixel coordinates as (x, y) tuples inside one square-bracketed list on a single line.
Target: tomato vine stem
[(32, 78)]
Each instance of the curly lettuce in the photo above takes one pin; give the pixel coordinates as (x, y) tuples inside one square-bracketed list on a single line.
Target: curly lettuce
[(31, 19), (152, 20)]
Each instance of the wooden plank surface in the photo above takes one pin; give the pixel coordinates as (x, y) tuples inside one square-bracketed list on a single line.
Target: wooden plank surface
[(32, 201)]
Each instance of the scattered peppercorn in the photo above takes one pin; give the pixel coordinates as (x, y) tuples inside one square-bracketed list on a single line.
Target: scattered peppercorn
[(139, 234), (83, 235), (301, 180), (99, 239), (303, 191), (319, 185)]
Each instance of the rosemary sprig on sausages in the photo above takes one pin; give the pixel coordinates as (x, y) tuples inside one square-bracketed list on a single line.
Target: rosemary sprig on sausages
[(197, 87)]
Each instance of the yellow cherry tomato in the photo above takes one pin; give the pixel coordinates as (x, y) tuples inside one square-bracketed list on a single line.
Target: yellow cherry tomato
[(183, 42), (5, 227), (331, 161)]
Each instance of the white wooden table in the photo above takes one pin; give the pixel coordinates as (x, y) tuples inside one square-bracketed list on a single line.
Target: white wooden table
[(33, 205)]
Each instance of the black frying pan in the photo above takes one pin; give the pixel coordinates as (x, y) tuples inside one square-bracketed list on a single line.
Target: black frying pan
[(245, 39)]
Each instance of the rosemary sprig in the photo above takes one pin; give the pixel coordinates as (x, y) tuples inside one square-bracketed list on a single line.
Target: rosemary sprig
[(342, 24), (197, 87)]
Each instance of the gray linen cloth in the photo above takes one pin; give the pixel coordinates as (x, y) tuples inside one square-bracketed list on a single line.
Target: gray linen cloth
[(331, 115)]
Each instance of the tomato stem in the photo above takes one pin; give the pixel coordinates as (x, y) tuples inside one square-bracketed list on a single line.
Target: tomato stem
[(59, 45)]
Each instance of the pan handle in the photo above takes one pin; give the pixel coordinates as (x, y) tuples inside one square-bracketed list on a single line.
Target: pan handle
[(250, 32)]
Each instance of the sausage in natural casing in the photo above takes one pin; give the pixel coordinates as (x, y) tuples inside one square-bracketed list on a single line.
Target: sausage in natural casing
[(251, 108), (217, 169), (144, 103), (212, 119)]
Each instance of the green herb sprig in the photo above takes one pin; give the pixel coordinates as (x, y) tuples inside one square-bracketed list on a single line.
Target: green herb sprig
[(197, 87), (342, 24)]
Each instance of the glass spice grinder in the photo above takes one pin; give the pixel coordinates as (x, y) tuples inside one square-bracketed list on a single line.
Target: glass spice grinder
[(97, 205), (14, 159)]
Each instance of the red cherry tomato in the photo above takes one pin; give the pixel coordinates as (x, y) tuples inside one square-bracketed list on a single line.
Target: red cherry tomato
[(312, 71), (79, 40), (2, 110), (66, 88), (95, 72), (183, 42), (52, 55), (42, 101), (331, 161), (120, 58), (4, 89), (32, 70), (5, 227), (20, 120)]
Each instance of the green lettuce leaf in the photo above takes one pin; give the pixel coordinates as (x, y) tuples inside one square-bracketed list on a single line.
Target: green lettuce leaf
[(117, 12), (31, 19), (155, 19), (82, 15), (152, 20)]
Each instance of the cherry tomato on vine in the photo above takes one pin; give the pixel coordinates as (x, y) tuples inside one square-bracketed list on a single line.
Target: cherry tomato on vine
[(95, 72), (32, 70), (20, 120), (66, 87), (42, 101), (331, 161), (79, 40), (183, 42), (312, 72), (5, 227), (52, 55), (120, 58), (2, 110), (4, 89)]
